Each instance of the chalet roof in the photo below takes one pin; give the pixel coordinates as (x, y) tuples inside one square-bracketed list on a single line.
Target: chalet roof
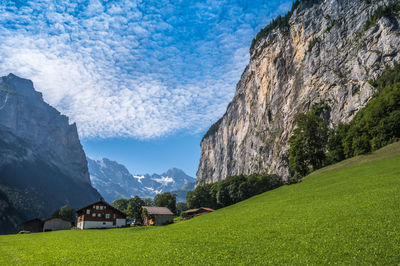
[(33, 220), (198, 209), (51, 218), (101, 201), (158, 210)]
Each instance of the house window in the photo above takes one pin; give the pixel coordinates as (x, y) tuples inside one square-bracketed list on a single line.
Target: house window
[(93, 214), (88, 211), (108, 216), (94, 206), (114, 215), (99, 215), (97, 207)]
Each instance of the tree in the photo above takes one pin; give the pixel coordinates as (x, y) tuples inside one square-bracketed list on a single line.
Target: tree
[(134, 206), (148, 202), (308, 142), (180, 207), (335, 144), (120, 204), (66, 212), (200, 197), (166, 199)]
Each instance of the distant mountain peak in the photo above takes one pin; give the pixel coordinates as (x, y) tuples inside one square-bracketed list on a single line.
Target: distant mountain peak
[(114, 181)]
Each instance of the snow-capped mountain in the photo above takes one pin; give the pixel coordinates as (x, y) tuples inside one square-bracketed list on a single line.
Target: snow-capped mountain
[(114, 181)]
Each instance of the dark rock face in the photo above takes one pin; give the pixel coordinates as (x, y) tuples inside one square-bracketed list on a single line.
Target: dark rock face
[(42, 163), (114, 181), (26, 115), (326, 54)]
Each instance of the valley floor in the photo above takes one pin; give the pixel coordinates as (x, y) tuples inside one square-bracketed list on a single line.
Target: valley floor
[(347, 213)]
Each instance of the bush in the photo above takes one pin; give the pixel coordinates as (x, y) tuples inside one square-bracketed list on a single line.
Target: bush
[(382, 11), (280, 22)]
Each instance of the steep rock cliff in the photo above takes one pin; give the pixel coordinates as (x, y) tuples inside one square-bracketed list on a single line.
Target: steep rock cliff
[(27, 116), (42, 163), (328, 52)]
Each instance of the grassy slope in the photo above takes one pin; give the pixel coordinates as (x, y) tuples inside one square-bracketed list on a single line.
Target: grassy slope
[(347, 213)]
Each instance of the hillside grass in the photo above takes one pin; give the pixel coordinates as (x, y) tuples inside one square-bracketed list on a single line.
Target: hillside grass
[(348, 213)]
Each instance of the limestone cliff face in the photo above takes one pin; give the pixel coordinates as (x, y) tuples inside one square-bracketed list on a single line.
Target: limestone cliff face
[(326, 54), (26, 115)]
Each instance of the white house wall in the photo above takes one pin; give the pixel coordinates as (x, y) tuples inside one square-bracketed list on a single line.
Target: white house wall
[(121, 222), (80, 225), (97, 224)]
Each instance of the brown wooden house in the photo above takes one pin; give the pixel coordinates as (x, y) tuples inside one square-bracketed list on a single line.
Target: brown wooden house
[(100, 214), (34, 225), (157, 215), (196, 212)]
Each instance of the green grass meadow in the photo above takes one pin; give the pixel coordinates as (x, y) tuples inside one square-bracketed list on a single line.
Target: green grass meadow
[(347, 213)]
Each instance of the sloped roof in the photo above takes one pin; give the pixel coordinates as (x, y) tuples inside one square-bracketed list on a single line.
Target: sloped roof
[(158, 210), (101, 201), (201, 208), (53, 218), (32, 220)]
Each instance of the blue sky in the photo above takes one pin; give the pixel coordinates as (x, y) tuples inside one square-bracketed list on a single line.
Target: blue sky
[(148, 77)]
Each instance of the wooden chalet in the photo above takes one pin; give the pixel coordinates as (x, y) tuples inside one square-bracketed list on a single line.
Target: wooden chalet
[(100, 214), (196, 212), (157, 215), (34, 225)]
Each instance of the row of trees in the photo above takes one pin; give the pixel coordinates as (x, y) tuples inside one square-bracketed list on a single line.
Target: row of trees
[(313, 145), (231, 190)]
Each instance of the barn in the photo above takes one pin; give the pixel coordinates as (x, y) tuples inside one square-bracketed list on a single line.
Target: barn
[(196, 212), (100, 214), (55, 224), (34, 225), (156, 215)]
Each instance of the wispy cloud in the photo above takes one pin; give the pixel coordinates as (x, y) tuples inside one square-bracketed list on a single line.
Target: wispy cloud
[(139, 69)]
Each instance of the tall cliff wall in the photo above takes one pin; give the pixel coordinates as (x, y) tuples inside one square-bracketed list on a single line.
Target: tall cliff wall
[(327, 53), (42, 163), (26, 115)]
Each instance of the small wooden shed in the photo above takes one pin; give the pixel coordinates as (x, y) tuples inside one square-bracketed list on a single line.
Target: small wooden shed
[(55, 224), (156, 215), (196, 212), (34, 225)]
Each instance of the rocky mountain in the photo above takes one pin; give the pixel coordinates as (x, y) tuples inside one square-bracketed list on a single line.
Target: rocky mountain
[(42, 163), (114, 181), (320, 51)]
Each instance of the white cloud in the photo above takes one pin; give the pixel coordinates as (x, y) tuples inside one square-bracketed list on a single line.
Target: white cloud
[(129, 69)]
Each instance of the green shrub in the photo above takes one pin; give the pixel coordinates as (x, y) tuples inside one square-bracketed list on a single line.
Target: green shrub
[(280, 22), (390, 10)]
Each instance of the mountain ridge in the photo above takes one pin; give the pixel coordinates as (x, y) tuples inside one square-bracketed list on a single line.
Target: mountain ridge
[(114, 181)]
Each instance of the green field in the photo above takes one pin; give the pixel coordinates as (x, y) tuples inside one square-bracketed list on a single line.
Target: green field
[(347, 213)]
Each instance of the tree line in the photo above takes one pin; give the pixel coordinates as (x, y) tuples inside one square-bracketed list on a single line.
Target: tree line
[(231, 190)]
